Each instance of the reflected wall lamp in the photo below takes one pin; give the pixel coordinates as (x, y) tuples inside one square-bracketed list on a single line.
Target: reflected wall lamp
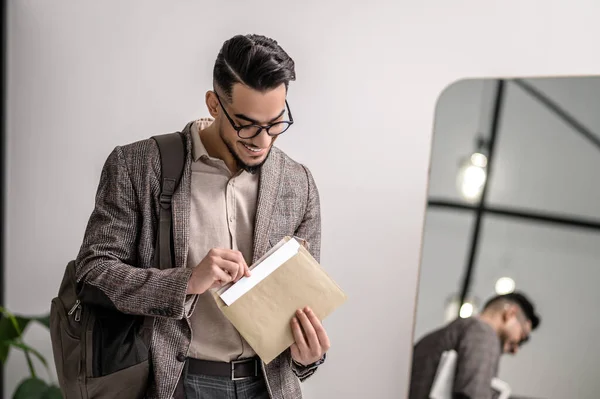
[(472, 173)]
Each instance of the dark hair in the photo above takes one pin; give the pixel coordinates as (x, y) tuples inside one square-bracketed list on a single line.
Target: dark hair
[(254, 60), (522, 301)]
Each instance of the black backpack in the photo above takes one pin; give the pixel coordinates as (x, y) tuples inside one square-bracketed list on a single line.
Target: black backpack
[(99, 352)]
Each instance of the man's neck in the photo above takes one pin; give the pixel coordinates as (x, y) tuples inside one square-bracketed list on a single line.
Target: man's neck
[(491, 320), (216, 148)]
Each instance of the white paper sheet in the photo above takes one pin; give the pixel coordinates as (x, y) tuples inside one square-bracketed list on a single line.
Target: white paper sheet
[(502, 387), (444, 378), (261, 271)]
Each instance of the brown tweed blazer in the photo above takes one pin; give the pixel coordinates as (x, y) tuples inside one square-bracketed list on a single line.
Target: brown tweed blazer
[(117, 251)]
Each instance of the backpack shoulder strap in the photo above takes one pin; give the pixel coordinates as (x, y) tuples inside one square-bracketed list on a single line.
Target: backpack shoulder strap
[(172, 159)]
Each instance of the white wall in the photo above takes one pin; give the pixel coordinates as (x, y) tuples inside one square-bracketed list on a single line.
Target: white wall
[(542, 165), (89, 75)]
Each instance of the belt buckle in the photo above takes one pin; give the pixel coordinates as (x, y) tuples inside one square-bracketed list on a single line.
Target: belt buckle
[(235, 362)]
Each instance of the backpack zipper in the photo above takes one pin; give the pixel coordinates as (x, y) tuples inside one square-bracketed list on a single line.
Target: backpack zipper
[(77, 310)]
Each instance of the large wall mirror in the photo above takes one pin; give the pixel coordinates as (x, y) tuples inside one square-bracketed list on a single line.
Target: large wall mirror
[(513, 217)]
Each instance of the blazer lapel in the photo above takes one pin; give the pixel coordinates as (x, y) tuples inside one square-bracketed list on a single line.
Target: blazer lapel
[(268, 191), (181, 205)]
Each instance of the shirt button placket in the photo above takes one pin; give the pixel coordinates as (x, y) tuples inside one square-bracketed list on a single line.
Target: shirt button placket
[(229, 207)]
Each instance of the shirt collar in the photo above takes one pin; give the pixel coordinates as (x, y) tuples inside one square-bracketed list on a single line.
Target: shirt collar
[(199, 150)]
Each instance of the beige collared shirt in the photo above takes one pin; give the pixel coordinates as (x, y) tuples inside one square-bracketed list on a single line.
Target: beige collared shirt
[(222, 214)]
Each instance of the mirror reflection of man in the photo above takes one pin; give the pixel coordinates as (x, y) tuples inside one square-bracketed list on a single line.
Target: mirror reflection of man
[(503, 327)]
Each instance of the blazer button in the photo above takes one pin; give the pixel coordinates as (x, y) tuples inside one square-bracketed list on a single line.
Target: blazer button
[(180, 357)]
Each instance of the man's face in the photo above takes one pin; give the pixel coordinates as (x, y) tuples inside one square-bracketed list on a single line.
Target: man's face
[(515, 331), (251, 107)]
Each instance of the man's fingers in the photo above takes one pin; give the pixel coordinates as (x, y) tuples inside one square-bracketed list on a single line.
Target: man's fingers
[(231, 255), (309, 330), (319, 329), (232, 268), (221, 275), (299, 336), (234, 257)]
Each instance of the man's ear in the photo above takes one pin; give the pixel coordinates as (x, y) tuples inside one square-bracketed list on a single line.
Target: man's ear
[(212, 103), (511, 312), (507, 313)]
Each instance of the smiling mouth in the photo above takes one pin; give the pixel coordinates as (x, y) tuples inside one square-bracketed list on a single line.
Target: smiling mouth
[(252, 148)]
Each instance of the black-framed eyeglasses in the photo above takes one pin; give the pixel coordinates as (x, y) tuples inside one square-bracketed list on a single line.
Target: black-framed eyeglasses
[(253, 130), (522, 322)]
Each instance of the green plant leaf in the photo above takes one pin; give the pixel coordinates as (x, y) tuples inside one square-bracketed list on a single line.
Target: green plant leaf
[(11, 328), (11, 317), (53, 392), (34, 388), (31, 388)]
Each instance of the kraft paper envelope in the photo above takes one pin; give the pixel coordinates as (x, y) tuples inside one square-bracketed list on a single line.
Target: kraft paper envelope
[(261, 307)]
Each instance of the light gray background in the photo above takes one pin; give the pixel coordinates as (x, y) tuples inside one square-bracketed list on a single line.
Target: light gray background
[(86, 76), (540, 164)]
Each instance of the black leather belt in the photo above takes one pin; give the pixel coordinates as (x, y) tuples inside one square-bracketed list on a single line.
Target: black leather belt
[(236, 370)]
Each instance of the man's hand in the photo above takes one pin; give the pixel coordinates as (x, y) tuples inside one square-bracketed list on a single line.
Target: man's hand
[(219, 267), (311, 339)]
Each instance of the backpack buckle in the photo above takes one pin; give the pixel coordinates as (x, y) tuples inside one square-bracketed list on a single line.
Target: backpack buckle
[(165, 201)]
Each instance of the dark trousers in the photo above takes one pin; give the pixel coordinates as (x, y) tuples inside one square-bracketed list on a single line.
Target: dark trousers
[(205, 387)]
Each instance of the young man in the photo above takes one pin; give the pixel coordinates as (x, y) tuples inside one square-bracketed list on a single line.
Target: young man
[(502, 327), (238, 196)]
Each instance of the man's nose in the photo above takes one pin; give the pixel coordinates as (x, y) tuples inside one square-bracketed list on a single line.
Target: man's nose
[(262, 140)]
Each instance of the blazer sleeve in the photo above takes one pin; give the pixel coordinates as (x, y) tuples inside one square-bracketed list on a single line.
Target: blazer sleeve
[(310, 230), (107, 258), (477, 364)]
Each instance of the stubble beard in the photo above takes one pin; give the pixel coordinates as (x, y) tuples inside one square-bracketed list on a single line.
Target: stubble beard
[(252, 169)]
